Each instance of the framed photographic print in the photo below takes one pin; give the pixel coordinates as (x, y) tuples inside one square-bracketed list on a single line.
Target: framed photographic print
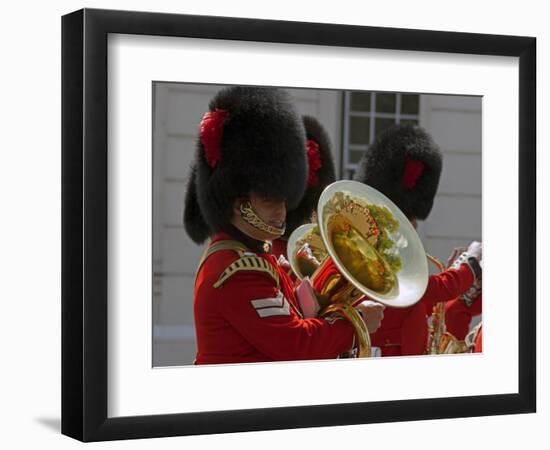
[(138, 89)]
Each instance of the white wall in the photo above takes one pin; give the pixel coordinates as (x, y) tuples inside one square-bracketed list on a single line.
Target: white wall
[(455, 125), (30, 226)]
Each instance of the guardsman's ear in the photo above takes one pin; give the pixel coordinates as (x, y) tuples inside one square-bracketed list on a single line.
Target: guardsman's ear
[(237, 205)]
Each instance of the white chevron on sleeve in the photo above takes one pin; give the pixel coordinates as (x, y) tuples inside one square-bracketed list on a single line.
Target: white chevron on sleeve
[(274, 306)]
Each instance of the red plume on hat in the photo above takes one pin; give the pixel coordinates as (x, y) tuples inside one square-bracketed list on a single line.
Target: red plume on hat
[(314, 163), (211, 134), (412, 172)]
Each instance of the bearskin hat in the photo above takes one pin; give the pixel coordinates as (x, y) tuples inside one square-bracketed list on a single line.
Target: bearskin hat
[(252, 139), (404, 164), (195, 225), (320, 173)]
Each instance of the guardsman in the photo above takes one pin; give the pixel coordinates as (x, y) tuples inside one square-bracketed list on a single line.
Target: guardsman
[(247, 171), (405, 164), (320, 174), (459, 313)]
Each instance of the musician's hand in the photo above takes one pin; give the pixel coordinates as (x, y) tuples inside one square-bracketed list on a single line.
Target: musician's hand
[(475, 250), (283, 263), (455, 254), (307, 298), (372, 314)]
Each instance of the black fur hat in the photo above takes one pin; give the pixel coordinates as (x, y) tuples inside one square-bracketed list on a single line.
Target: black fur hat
[(321, 173), (252, 139), (404, 164), (195, 225)]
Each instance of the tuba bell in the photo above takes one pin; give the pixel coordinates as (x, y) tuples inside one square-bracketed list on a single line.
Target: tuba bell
[(363, 245)]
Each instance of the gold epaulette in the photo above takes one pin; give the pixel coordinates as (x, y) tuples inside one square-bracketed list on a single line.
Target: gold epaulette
[(249, 263), (236, 246)]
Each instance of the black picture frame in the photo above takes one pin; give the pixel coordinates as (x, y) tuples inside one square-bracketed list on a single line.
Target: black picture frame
[(84, 224)]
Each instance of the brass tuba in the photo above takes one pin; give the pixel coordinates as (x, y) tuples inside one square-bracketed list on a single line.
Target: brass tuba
[(363, 245)]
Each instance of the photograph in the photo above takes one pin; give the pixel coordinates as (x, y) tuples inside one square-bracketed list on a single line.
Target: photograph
[(310, 224), (292, 225), (275, 224)]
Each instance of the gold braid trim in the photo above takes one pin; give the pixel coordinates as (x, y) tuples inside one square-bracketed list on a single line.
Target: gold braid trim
[(247, 263), (249, 216), (221, 245)]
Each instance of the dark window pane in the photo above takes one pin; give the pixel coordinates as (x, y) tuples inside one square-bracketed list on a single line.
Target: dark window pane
[(408, 122), (409, 104), (360, 101), (359, 130), (385, 103), (355, 156), (382, 124)]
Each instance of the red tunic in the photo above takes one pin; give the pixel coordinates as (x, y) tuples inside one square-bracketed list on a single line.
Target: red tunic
[(478, 347), (278, 247), (458, 316), (249, 319), (404, 331)]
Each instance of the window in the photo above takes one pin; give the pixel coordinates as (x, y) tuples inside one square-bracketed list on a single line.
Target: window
[(366, 114)]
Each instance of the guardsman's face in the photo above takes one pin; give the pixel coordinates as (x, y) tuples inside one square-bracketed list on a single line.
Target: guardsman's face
[(272, 212)]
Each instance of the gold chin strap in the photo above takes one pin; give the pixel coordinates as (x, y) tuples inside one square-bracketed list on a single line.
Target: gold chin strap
[(249, 216)]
